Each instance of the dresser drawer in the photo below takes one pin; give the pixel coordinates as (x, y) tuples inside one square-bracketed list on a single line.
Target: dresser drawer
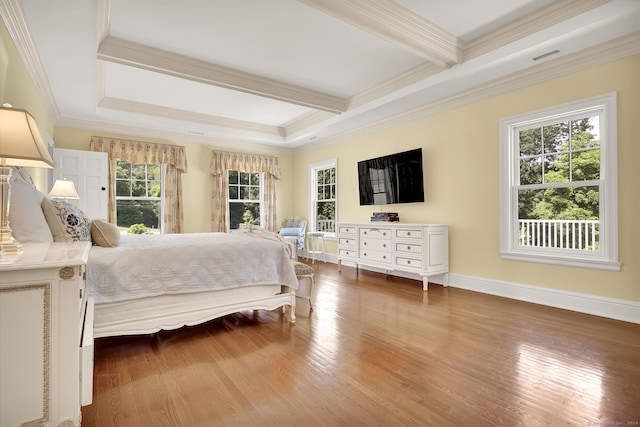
[(408, 262), (409, 233), (345, 229), (86, 356), (347, 241), (375, 233), (375, 244), (409, 247), (347, 252), (378, 256)]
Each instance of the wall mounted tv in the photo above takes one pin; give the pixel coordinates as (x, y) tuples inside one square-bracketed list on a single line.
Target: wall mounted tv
[(396, 178)]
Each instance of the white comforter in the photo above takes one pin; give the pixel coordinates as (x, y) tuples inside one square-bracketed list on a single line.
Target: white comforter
[(151, 265)]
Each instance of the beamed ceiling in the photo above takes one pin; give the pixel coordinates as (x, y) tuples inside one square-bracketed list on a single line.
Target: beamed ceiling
[(293, 74)]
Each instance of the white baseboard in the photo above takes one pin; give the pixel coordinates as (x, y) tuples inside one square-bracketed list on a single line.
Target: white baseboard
[(628, 311), (618, 309)]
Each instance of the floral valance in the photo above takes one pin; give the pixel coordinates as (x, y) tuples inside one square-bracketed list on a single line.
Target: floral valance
[(222, 161), (141, 152)]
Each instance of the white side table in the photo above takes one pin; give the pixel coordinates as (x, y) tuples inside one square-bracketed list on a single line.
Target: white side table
[(315, 245)]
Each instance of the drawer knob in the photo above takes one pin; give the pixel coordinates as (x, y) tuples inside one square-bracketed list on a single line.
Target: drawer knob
[(408, 261), (365, 243), (408, 233), (408, 248), (384, 257), (384, 245)]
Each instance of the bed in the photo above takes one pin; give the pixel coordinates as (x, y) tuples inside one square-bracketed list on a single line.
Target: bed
[(142, 284), (153, 282)]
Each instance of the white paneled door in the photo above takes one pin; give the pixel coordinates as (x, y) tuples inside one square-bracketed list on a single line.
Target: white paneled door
[(89, 172)]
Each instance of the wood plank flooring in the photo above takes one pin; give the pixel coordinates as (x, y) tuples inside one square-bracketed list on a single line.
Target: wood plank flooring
[(376, 351)]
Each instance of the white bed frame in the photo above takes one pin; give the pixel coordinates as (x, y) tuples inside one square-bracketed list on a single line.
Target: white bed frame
[(149, 315)]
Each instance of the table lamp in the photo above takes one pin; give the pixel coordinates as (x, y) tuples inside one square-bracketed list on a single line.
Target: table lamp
[(63, 189), (20, 145)]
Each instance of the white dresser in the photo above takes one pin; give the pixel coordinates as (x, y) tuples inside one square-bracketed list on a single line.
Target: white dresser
[(46, 335), (421, 249)]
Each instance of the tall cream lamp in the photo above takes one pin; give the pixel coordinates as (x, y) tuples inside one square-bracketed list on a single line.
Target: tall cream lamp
[(20, 145)]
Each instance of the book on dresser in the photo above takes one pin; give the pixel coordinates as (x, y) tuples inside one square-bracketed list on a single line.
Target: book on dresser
[(422, 250)]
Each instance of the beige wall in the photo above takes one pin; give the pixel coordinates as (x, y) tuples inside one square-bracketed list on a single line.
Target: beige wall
[(460, 150)]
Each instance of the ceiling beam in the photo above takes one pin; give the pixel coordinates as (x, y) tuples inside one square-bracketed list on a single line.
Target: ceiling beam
[(124, 52), (398, 25)]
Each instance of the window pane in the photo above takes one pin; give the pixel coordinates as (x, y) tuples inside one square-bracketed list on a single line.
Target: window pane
[(585, 165), (123, 170), (255, 179), (555, 137), (138, 172), (153, 172), (566, 218), (145, 212), (530, 171), (556, 168), (584, 133), (154, 189), (530, 142), (243, 178), (233, 177), (243, 213), (123, 188), (139, 189), (233, 192)]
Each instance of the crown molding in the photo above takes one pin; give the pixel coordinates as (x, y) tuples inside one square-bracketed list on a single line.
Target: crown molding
[(539, 20), (13, 17), (396, 24), (132, 54), (601, 54)]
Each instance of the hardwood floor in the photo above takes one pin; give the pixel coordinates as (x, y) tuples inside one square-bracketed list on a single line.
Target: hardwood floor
[(376, 351)]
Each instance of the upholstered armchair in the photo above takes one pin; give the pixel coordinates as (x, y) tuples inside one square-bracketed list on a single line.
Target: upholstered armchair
[(293, 230)]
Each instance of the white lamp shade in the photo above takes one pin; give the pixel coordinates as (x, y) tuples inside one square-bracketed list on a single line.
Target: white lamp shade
[(63, 189), (20, 140)]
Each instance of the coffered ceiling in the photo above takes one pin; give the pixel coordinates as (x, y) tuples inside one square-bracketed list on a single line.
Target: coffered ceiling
[(295, 73)]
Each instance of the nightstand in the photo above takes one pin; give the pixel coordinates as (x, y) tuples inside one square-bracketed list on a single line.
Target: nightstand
[(43, 309)]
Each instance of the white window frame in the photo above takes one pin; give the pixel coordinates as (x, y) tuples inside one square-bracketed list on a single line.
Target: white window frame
[(313, 191), (163, 173), (606, 257), (260, 200)]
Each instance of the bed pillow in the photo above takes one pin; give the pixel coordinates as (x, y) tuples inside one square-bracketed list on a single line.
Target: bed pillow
[(66, 221), (104, 233), (26, 219), (290, 231)]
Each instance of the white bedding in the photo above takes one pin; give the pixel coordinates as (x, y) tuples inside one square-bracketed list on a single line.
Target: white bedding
[(151, 265)]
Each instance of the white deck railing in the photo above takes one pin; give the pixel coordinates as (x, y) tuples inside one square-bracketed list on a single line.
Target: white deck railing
[(563, 234), (326, 225)]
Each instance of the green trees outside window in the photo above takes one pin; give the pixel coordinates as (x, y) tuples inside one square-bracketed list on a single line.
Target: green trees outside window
[(138, 195), (245, 191)]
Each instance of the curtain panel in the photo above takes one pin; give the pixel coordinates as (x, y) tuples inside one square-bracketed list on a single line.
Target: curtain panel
[(137, 152), (224, 161)]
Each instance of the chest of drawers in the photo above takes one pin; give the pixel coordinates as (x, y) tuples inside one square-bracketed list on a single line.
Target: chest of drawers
[(421, 249)]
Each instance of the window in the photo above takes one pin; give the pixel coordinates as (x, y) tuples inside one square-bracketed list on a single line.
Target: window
[(558, 195), (245, 198), (324, 190), (139, 194)]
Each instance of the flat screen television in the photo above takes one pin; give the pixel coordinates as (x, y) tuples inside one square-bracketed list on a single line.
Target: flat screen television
[(396, 178)]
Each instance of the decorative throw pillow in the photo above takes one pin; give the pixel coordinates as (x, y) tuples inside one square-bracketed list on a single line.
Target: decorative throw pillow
[(104, 233), (26, 219), (66, 221), (290, 231)]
